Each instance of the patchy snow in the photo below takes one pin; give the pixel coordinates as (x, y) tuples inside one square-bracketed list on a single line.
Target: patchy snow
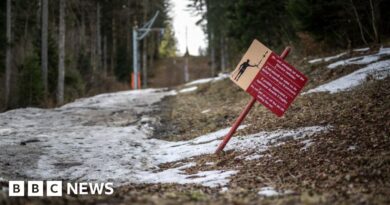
[(108, 138), (120, 99), (270, 192), (361, 60), (224, 189), (352, 147), (177, 175), (262, 140), (326, 59), (220, 76), (253, 157), (206, 111), (355, 60), (187, 90), (378, 70), (306, 144), (361, 49), (5, 131)]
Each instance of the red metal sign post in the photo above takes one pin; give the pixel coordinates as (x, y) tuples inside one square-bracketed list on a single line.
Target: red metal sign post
[(244, 113)]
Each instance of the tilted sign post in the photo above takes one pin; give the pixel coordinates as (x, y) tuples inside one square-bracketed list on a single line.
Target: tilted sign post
[(269, 79)]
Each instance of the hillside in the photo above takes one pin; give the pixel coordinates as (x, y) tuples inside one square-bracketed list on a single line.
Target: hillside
[(169, 72), (331, 147)]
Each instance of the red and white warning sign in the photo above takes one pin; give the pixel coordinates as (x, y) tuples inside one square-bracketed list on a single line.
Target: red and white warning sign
[(268, 78)]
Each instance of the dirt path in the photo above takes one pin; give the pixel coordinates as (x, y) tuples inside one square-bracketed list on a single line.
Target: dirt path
[(169, 72)]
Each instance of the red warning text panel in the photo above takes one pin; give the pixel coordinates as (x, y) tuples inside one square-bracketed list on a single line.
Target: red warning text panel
[(277, 84)]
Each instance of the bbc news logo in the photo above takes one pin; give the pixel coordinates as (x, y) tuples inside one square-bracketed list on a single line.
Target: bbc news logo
[(54, 188)]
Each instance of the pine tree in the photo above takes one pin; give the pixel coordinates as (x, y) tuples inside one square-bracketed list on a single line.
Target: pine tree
[(61, 55)]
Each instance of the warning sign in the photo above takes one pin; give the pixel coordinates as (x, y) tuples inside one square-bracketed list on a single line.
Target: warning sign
[(268, 78)]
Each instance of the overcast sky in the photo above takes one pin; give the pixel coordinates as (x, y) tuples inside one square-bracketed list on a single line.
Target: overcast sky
[(183, 18)]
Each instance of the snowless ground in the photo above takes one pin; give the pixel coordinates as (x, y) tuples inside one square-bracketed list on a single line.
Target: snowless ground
[(109, 138)]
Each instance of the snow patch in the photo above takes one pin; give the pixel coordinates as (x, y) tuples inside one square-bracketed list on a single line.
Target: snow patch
[(224, 189), (361, 49), (262, 140), (361, 60), (253, 157), (307, 143), (326, 59), (351, 148), (220, 76), (187, 90), (206, 111), (177, 175), (378, 70), (119, 99), (5, 131), (355, 60), (271, 192)]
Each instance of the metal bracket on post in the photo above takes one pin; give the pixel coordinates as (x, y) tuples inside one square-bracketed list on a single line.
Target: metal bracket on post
[(244, 113), (138, 35)]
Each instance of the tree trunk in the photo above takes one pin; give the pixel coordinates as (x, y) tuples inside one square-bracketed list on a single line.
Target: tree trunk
[(113, 51), (61, 54), (223, 59), (129, 38), (8, 59), (210, 36), (105, 55), (81, 36), (145, 50), (227, 56), (151, 51), (92, 41), (359, 23), (213, 64), (374, 25), (186, 69), (98, 38), (44, 57)]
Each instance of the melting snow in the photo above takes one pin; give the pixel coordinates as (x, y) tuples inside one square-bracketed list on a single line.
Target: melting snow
[(187, 90), (82, 141), (307, 143), (328, 58), (221, 76), (361, 60), (253, 157), (224, 189), (177, 175), (361, 49), (206, 111), (378, 70), (351, 148), (270, 191)]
